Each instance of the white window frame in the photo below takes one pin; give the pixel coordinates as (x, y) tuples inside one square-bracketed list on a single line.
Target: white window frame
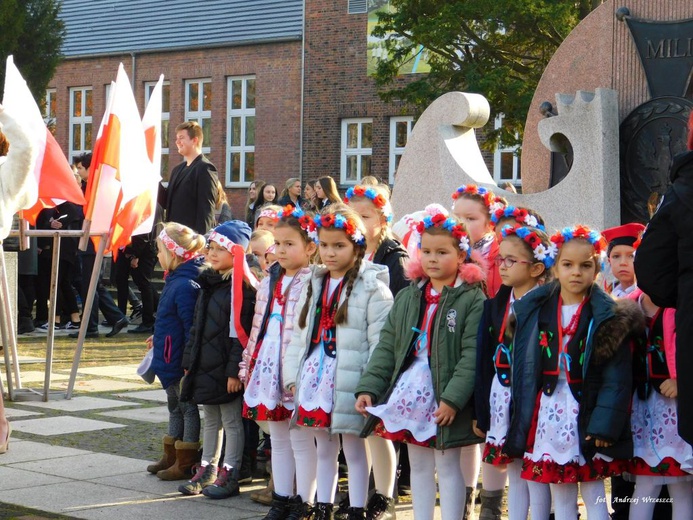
[(48, 118), (397, 151), (243, 113), (200, 114), (81, 120), (165, 116), (498, 159), (359, 151)]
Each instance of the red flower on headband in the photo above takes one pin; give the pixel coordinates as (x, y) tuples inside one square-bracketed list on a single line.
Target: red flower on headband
[(359, 191), (520, 213), (533, 240), (438, 219), (350, 227), (499, 214), (287, 210), (458, 232), (581, 232), (420, 228), (379, 201), (558, 239), (327, 220)]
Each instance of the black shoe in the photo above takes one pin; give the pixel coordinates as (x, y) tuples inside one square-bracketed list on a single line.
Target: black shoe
[(120, 325), (280, 508), (89, 334), (381, 507), (25, 325), (136, 313), (323, 511), (142, 329), (106, 323), (225, 486)]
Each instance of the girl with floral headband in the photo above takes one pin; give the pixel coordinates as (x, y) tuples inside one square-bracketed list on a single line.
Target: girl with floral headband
[(343, 307), (474, 206), (262, 370), (524, 259), (571, 379), (511, 216), (419, 382), (267, 217), (179, 254), (373, 205)]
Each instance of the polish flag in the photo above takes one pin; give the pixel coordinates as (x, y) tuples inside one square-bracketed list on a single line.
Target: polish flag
[(53, 181), (119, 161)]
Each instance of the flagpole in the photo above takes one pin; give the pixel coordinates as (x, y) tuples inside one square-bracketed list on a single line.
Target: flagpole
[(53, 298), (86, 313), (6, 329)]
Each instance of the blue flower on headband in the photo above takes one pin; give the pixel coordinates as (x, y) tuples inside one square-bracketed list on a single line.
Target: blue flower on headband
[(376, 198), (542, 252)]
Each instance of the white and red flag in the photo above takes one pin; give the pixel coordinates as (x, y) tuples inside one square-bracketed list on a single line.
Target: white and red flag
[(53, 181)]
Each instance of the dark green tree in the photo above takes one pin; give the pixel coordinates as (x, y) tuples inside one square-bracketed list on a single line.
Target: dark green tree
[(32, 32), (498, 48)]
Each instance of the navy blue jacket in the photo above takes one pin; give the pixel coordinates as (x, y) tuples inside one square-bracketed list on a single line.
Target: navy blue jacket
[(606, 371), (174, 319)]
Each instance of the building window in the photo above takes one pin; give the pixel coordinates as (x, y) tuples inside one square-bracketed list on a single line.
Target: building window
[(357, 7), (240, 131), (357, 149), (165, 119), (81, 110), (400, 129), (198, 107), (506, 161), (49, 106)]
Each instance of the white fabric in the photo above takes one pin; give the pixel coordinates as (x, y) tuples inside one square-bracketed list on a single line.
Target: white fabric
[(328, 464), (283, 466), (470, 463), (654, 424), (518, 495), (425, 462), (539, 498), (384, 461), (647, 491), (356, 455), (618, 292), (499, 402), (316, 388), (493, 478), (306, 459), (369, 305), (565, 497)]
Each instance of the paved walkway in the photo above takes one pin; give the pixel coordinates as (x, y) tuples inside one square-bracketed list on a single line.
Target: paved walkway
[(86, 457)]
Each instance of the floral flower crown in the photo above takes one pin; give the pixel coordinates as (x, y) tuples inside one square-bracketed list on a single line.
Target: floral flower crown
[(546, 254), (175, 247), (380, 202), (269, 213), (334, 220), (521, 216), (492, 201), (455, 228), (569, 233), (307, 224)]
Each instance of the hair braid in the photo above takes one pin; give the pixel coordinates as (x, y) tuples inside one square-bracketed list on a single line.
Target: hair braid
[(306, 306), (352, 274)]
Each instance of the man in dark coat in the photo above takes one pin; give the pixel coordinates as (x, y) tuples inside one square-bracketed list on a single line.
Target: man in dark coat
[(190, 198), (664, 270)]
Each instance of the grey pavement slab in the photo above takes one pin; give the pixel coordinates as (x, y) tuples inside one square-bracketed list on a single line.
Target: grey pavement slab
[(157, 414), (101, 385), (21, 451), (13, 413), (146, 395), (86, 467), (61, 425), (67, 497), (17, 478), (36, 376), (25, 360), (119, 371), (79, 404)]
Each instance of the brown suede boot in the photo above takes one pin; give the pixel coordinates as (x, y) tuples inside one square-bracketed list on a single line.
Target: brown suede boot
[(187, 455), (168, 458), (264, 496)]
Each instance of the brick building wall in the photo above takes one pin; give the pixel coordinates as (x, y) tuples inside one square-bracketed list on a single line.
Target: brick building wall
[(277, 71)]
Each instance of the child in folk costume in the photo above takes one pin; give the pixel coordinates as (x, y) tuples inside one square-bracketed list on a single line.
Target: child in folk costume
[(343, 309), (621, 253), (421, 375), (661, 456), (179, 254), (474, 205), (524, 259), (511, 215), (262, 369), (571, 377), (373, 206), (223, 319)]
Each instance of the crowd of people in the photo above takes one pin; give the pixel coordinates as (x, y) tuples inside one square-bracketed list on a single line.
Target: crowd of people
[(459, 343)]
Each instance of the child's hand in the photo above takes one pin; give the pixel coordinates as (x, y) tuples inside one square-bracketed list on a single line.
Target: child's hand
[(234, 385), (362, 402), (149, 342), (669, 388), (292, 390), (477, 431), (445, 414), (599, 443)]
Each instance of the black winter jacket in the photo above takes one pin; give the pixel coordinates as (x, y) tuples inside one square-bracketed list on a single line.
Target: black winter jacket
[(392, 255), (664, 268), (606, 388), (211, 356)]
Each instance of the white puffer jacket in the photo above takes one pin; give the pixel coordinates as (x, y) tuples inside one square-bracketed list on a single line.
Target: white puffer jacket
[(16, 171), (262, 300), (369, 305)]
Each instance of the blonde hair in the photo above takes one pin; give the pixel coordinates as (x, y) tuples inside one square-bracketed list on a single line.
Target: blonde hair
[(384, 191), (184, 237), (264, 235), (221, 194)]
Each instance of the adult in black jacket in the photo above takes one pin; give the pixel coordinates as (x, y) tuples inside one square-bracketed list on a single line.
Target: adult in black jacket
[(392, 254), (190, 198), (664, 269)]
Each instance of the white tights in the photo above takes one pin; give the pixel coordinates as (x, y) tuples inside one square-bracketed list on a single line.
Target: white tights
[(565, 498), (493, 477), (306, 459), (283, 465), (470, 462), (424, 462), (327, 464), (679, 492), (539, 496), (384, 460)]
